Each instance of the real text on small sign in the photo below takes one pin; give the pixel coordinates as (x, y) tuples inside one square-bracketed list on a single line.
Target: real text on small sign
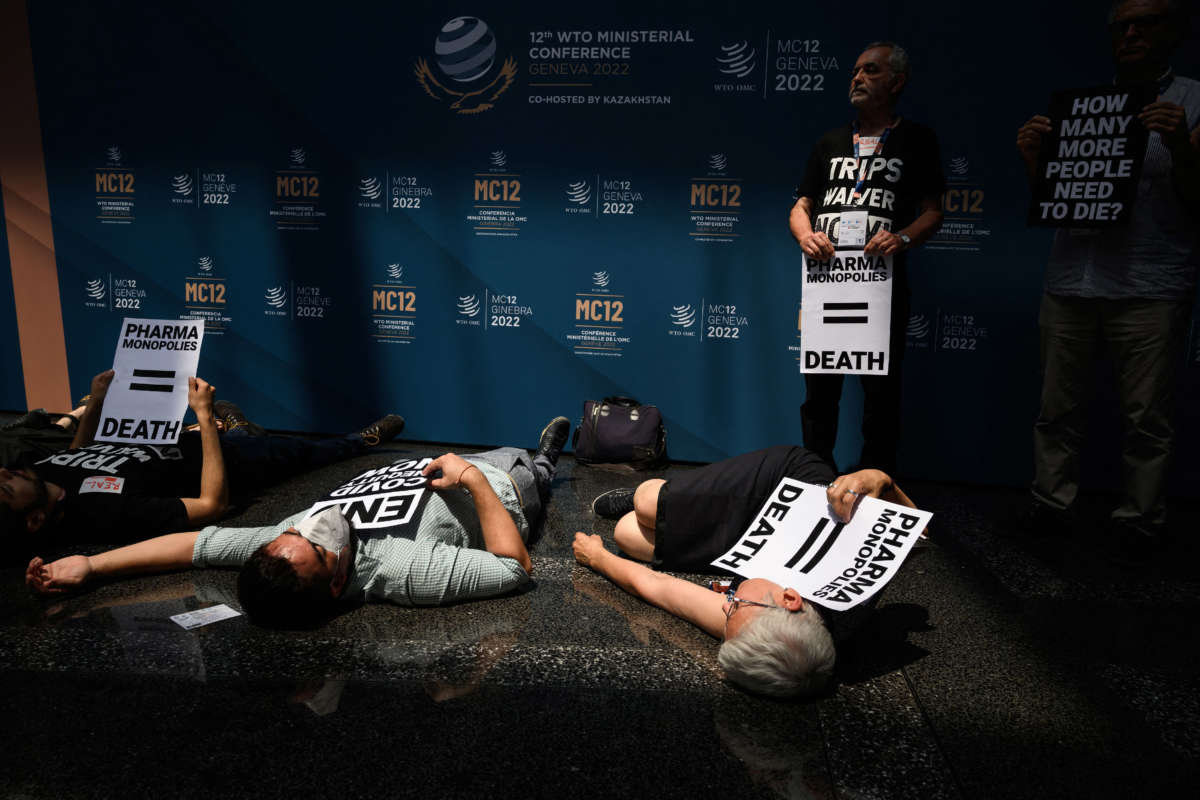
[(149, 392), (205, 616), (794, 542), (1090, 163)]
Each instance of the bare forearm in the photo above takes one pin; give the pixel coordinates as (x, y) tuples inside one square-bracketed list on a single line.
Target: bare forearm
[(630, 575), (160, 554), (924, 226), (800, 220), (89, 421), (500, 534), (214, 487), (684, 599)]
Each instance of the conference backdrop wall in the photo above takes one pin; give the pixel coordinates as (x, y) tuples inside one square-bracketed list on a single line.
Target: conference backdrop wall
[(12, 379), (595, 205)]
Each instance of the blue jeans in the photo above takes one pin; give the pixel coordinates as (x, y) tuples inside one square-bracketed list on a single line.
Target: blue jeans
[(531, 475)]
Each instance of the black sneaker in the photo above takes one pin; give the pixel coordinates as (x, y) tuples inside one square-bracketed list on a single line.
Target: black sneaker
[(554, 438), (613, 504), (382, 431), (231, 415)]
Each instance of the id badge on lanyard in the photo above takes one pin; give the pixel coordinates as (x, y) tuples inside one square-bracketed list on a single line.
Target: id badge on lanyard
[(852, 228), (853, 221), (859, 167)]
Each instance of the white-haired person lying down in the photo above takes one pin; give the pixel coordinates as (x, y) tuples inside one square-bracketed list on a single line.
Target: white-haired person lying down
[(775, 641)]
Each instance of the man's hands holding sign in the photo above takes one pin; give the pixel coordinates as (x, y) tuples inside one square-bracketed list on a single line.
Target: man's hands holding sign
[(90, 419), (845, 492), (816, 244), (213, 501)]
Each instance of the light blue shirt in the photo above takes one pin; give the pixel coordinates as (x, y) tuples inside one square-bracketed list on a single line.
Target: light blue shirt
[(445, 563)]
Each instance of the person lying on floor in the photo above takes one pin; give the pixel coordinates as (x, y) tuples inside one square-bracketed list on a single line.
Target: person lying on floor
[(775, 641), (101, 492), (466, 541)]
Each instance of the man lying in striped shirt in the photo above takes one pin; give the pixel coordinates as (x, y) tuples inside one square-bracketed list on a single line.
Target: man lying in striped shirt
[(383, 536)]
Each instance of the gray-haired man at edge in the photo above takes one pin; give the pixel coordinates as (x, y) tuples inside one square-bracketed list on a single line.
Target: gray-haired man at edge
[(1130, 287)]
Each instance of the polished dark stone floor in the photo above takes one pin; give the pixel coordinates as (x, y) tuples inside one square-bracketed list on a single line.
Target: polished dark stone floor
[(996, 667)]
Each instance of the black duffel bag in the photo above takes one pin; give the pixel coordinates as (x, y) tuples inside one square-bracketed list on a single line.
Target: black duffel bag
[(619, 430)]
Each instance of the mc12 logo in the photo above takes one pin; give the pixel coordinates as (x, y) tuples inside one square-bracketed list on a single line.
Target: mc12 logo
[(210, 292), (297, 186), (393, 300), (114, 182), (599, 310), (963, 201), (716, 195), (498, 190)]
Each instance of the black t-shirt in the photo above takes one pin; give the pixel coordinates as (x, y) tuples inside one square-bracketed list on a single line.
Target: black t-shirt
[(703, 512), (122, 492), (908, 170), (25, 444)]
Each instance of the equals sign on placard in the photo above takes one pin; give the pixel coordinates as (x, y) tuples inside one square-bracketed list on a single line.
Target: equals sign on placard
[(812, 539), (839, 319), (148, 374)]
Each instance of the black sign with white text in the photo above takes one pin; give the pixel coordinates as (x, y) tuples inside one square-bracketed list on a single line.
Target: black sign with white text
[(1090, 163)]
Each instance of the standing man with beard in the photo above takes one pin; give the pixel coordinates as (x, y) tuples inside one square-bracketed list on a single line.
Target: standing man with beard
[(1130, 288), (889, 167)]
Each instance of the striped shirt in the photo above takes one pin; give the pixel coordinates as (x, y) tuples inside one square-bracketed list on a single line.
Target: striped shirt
[(445, 563)]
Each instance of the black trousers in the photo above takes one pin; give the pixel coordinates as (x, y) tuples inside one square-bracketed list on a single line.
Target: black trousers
[(881, 402)]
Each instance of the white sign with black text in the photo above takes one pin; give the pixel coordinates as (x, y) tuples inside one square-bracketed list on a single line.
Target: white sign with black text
[(795, 542), (846, 314), (384, 500), (149, 392)]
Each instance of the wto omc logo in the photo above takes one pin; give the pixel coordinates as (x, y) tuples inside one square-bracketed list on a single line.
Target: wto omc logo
[(959, 165), (600, 279), (95, 289), (465, 52), (182, 185), (468, 306), (370, 188), (395, 272), (737, 59), (498, 159), (918, 330), (276, 297), (683, 316), (918, 326), (297, 157), (205, 264), (717, 164), (579, 192), (114, 156)]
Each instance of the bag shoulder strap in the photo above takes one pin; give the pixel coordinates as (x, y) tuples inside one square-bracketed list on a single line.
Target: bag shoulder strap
[(620, 400)]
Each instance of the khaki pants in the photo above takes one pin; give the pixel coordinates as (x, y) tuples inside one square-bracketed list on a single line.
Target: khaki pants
[(1144, 338)]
